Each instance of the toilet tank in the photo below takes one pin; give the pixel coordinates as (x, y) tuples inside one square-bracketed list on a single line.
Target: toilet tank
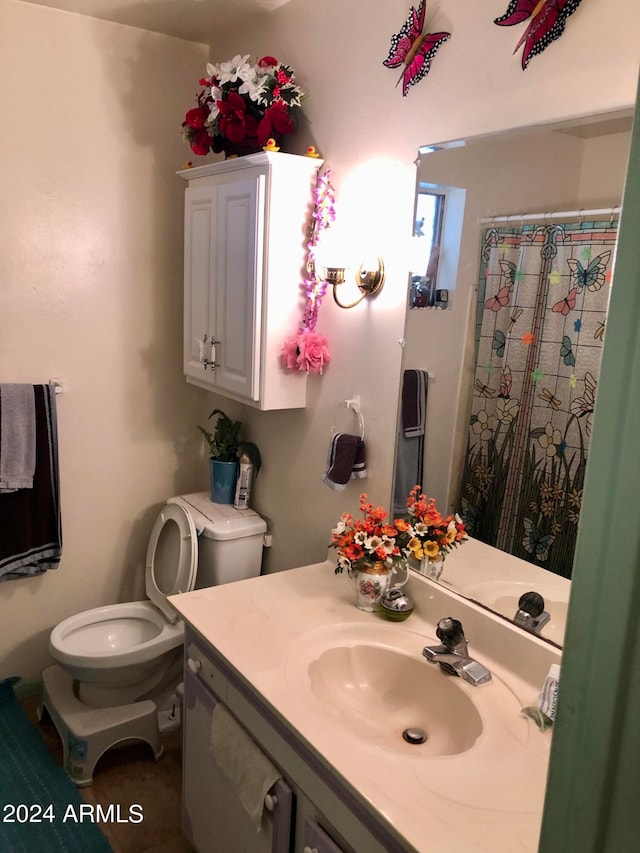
[(230, 540)]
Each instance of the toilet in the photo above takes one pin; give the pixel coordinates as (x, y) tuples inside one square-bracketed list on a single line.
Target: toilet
[(121, 653), (116, 665)]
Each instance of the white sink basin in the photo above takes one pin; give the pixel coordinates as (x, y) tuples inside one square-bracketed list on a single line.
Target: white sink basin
[(373, 681), (379, 692)]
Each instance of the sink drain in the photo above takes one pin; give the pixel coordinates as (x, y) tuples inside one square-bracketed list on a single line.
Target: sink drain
[(414, 735)]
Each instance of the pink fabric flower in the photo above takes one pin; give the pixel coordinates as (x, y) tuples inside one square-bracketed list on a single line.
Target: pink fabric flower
[(289, 352), (314, 352), (307, 351)]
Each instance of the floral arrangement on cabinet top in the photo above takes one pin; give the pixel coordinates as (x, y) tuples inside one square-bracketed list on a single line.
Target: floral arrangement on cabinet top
[(243, 105), (424, 535)]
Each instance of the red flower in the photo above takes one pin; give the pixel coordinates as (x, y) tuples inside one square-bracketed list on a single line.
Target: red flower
[(196, 118), (267, 62), (200, 142), (235, 124), (276, 121)]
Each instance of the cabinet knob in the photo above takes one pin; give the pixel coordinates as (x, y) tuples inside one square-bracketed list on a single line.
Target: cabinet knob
[(194, 665), (270, 802), (308, 849)]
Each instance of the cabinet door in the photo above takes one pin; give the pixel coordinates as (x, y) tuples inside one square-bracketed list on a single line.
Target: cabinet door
[(316, 839), (213, 816), (199, 225), (238, 257)]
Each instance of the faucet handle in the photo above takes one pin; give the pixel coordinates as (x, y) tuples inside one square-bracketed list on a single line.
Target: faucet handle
[(531, 603), (449, 631)]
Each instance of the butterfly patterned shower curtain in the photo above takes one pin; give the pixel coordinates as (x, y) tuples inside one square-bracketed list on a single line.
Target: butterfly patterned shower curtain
[(542, 301)]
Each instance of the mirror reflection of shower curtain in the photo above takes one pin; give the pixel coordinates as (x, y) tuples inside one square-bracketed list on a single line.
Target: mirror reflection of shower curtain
[(542, 301)]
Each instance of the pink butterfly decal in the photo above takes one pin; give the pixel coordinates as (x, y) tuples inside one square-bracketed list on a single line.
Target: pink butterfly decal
[(567, 304), (548, 19), (495, 303), (413, 48)]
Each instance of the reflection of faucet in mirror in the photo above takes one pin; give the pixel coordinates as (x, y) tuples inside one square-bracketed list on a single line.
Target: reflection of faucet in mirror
[(510, 450), (531, 614)]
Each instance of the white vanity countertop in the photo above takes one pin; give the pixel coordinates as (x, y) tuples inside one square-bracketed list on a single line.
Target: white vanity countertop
[(489, 798)]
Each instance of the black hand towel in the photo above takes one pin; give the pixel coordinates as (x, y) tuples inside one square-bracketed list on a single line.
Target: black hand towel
[(341, 459)]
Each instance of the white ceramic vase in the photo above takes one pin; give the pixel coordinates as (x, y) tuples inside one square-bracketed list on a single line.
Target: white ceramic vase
[(371, 582)]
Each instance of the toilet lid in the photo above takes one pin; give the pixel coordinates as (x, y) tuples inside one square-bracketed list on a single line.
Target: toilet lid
[(172, 557)]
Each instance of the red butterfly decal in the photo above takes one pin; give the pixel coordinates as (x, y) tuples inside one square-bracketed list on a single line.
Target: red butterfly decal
[(548, 19), (413, 49), (495, 303), (565, 305)]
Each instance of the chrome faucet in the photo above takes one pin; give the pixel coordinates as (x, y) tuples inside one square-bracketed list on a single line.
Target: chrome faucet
[(531, 614), (452, 654)]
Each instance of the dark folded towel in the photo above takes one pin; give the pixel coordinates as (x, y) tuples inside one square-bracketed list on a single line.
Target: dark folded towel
[(346, 458), (415, 384), (30, 528)]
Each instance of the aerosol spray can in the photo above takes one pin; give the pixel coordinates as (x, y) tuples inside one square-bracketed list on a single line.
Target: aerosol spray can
[(243, 484)]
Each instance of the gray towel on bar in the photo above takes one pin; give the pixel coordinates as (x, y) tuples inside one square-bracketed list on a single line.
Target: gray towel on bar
[(411, 438), (17, 437)]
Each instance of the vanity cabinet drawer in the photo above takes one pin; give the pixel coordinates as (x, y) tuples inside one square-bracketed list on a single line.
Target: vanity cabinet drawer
[(316, 839)]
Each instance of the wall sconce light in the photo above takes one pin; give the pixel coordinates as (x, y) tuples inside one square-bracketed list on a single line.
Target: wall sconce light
[(369, 281)]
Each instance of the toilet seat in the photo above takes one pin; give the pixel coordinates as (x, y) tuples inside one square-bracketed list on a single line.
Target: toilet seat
[(168, 572)]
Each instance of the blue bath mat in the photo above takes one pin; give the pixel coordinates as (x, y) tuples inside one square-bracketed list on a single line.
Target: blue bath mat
[(41, 810)]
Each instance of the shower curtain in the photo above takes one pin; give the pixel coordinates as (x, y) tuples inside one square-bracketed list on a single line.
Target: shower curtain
[(542, 302)]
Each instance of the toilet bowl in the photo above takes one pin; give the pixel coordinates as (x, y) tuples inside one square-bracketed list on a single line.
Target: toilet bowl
[(120, 653)]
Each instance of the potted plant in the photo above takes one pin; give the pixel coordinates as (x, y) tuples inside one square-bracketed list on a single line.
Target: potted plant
[(225, 449)]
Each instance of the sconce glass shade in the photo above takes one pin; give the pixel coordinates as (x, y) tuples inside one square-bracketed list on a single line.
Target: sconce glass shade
[(369, 281)]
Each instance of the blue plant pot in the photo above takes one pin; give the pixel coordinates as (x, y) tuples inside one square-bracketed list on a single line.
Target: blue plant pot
[(223, 477)]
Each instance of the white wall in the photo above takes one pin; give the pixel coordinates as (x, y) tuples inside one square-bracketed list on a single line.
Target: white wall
[(91, 291), (91, 253)]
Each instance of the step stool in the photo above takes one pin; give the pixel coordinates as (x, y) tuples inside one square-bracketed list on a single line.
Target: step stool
[(87, 733)]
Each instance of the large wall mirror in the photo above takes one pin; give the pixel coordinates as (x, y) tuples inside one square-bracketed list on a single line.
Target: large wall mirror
[(506, 321)]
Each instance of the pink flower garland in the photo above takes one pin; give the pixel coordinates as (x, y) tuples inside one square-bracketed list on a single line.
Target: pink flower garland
[(307, 350)]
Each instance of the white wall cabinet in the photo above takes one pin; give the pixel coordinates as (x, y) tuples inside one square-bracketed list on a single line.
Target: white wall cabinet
[(246, 222)]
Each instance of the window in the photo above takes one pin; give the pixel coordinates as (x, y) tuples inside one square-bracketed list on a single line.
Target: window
[(429, 220)]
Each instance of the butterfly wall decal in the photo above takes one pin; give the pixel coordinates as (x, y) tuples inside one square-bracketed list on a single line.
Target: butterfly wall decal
[(413, 48), (593, 275), (548, 19)]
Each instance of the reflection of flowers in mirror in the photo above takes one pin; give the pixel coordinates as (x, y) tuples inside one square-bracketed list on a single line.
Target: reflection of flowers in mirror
[(428, 534), (243, 104)]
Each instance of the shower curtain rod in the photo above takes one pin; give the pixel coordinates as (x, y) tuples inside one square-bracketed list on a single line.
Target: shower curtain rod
[(562, 214)]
